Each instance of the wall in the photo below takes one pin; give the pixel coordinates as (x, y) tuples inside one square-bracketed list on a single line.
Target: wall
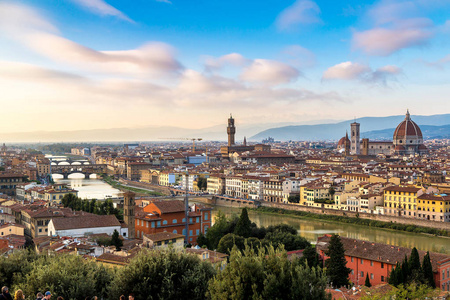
[(82, 231), (384, 218)]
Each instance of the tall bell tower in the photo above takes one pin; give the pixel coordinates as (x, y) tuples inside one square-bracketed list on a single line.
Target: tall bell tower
[(231, 130), (128, 213), (355, 141)]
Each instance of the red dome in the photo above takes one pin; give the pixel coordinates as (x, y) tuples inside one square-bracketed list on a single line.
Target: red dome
[(407, 128), (341, 142), (399, 148), (423, 147)]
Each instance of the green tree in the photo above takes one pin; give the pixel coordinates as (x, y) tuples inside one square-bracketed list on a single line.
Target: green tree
[(310, 257), (414, 267), (220, 228), (409, 291), (294, 199), (243, 226), (163, 275), (336, 264), (15, 266), (116, 241), (202, 183), (229, 240), (427, 270), (266, 274), (202, 240), (331, 192), (289, 240), (367, 283)]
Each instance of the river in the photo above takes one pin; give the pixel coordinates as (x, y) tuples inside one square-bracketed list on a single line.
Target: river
[(313, 228)]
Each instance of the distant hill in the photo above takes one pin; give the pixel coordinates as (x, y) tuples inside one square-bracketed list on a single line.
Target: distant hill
[(368, 126), (428, 132)]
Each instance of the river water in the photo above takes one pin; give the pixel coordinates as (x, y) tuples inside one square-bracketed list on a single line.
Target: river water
[(313, 228)]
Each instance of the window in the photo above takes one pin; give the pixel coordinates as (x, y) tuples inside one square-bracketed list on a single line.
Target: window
[(174, 221), (362, 261), (371, 263), (198, 220), (362, 274), (190, 232), (175, 231), (371, 275), (153, 224), (352, 259), (382, 266), (184, 220), (382, 278), (146, 223), (190, 220), (197, 232), (206, 216), (165, 222), (158, 223), (353, 272), (40, 229)]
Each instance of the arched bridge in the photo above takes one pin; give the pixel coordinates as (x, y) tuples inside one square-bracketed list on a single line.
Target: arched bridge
[(66, 170)]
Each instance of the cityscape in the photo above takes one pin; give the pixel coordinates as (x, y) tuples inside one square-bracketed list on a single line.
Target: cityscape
[(169, 150)]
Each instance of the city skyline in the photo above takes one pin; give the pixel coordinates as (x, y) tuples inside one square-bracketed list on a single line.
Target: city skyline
[(108, 64)]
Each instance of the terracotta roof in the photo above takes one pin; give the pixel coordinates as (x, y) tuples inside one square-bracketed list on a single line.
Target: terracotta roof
[(169, 206), (85, 222), (407, 128), (163, 236), (396, 188)]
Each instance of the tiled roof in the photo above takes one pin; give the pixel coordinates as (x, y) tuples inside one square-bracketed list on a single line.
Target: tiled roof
[(163, 236), (89, 221), (169, 206)]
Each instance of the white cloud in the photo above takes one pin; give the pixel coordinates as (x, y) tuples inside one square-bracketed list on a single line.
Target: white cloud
[(301, 12), (41, 36), (102, 8), (234, 59), (269, 72), (355, 71), (298, 56)]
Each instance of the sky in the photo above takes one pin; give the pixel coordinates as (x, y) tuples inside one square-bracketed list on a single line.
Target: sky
[(94, 64)]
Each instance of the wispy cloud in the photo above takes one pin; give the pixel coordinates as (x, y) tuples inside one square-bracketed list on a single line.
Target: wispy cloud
[(361, 72), (269, 72), (102, 8), (301, 12), (164, 1)]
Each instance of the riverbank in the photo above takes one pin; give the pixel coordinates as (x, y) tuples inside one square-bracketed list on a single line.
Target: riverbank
[(356, 221), (119, 186)]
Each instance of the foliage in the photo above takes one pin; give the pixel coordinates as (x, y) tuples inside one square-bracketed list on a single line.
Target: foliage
[(358, 221), (229, 240), (202, 183), (17, 265), (310, 257), (367, 283), (289, 240), (266, 274), (93, 206), (163, 275), (294, 199), (243, 226), (116, 241), (411, 291), (66, 275), (427, 270), (336, 264)]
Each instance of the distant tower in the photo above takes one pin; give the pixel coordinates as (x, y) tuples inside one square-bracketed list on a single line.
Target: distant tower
[(231, 130), (346, 145), (128, 213), (355, 141), (245, 141)]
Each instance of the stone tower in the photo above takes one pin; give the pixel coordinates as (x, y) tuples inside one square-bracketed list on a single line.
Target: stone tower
[(346, 145), (231, 130), (128, 213), (355, 141)]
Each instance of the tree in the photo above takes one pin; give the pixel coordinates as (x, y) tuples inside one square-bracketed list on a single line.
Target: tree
[(220, 228), (266, 274), (229, 240), (414, 267), (294, 199), (310, 257), (243, 226), (331, 192), (116, 241), (202, 183), (427, 270), (289, 240), (336, 263), (202, 240), (166, 274), (367, 283)]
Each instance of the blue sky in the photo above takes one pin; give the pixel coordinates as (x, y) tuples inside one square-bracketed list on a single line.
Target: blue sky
[(191, 63)]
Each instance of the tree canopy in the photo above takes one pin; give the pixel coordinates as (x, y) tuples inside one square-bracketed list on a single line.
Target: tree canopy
[(336, 264)]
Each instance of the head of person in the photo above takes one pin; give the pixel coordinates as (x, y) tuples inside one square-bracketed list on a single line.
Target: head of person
[(39, 295), (131, 296), (5, 290), (122, 297), (60, 298), (48, 295)]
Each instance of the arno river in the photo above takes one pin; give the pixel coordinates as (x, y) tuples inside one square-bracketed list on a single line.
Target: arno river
[(313, 228)]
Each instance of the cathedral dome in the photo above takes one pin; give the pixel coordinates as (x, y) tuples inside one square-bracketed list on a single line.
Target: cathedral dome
[(408, 132), (342, 141)]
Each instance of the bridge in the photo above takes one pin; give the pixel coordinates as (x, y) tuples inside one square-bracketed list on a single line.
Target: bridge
[(87, 170)]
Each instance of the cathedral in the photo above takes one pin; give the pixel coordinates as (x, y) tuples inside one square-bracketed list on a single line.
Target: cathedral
[(407, 140)]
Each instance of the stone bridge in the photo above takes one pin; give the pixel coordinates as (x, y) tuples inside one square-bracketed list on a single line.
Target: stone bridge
[(87, 170)]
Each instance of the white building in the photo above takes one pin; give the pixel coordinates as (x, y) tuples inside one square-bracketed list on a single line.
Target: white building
[(79, 226)]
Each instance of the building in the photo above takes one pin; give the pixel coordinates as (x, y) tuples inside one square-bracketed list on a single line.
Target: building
[(83, 225), (129, 213), (169, 216), (344, 145), (378, 260), (134, 169), (355, 139), (433, 207), (216, 184), (401, 201), (162, 240), (408, 138), (9, 182)]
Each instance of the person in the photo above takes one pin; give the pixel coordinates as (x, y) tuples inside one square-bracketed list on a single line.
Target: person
[(131, 296), (122, 297), (60, 298), (48, 295), (5, 294), (39, 296), (19, 295)]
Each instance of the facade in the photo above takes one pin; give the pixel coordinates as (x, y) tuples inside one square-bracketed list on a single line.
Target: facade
[(83, 225), (355, 139), (231, 130), (163, 240), (129, 213), (9, 182), (273, 190), (378, 260), (433, 207), (169, 216), (134, 169), (401, 201), (233, 186), (216, 184)]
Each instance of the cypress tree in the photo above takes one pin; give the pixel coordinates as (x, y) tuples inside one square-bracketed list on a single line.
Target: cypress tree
[(427, 270), (414, 260), (243, 226), (116, 241), (393, 276), (337, 270), (405, 271), (367, 283)]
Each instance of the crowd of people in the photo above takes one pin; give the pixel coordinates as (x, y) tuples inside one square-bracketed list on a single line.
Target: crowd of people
[(18, 295)]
